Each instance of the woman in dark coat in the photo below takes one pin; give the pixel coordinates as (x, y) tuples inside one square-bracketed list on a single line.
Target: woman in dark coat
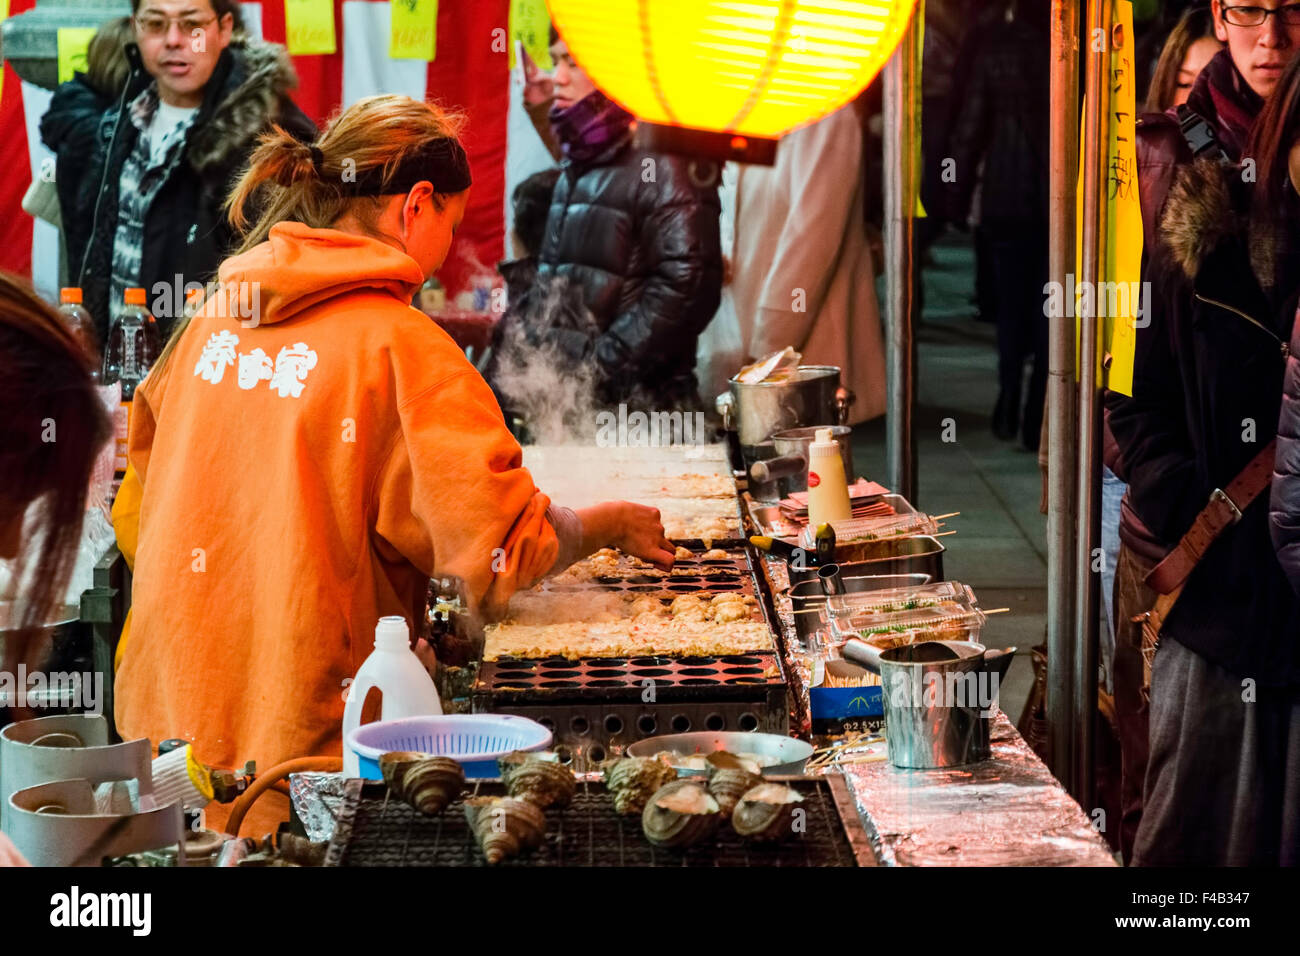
[(1223, 782)]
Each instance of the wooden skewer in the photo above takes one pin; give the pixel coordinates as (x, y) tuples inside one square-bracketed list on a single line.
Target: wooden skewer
[(942, 534), (998, 610), (952, 514)]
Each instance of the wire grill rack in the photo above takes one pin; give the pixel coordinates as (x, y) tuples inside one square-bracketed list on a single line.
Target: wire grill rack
[(377, 829)]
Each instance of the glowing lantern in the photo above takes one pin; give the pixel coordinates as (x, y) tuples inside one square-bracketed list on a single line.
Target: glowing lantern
[(749, 70)]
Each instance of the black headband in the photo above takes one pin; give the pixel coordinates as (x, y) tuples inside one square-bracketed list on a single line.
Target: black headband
[(441, 162)]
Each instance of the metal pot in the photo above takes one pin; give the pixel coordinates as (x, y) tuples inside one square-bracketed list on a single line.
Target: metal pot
[(940, 698), (789, 468), (811, 396)]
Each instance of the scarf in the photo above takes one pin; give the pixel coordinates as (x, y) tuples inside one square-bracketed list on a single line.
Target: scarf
[(590, 126), (1223, 97)]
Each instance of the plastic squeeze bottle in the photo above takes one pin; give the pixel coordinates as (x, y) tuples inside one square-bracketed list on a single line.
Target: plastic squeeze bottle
[(828, 489), (393, 668)]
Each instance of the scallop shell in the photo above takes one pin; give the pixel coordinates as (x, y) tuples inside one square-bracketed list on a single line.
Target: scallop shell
[(426, 783), (728, 785), (767, 812), (504, 826), (543, 783), (680, 814), (632, 780)]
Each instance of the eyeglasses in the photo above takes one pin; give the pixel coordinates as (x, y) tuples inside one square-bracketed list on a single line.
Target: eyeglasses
[(1255, 16), (156, 26)]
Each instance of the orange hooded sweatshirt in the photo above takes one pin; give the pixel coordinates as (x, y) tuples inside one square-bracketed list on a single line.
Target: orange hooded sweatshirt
[(297, 480)]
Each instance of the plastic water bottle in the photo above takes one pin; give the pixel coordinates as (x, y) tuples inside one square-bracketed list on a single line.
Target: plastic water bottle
[(134, 344), (82, 327), (393, 668)]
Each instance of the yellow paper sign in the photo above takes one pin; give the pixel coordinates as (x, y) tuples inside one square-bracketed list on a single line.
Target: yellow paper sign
[(72, 44), (1118, 294), (309, 27), (1123, 260), (530, 24), (415, 30)]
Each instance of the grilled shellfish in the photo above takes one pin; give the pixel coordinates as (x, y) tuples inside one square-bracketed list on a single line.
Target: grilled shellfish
[(728, 785), (543, 783), (426, 783), (768, 812), (504, 827), (679, 814), (633, 780)]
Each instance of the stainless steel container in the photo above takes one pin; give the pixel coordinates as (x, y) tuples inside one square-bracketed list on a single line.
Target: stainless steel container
[(811, 396), (940, 698), (920, 554), (936, 712), (788, 469)]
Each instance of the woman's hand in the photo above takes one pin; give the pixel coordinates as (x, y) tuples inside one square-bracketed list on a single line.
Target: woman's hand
[(641, 533), (635, 529)]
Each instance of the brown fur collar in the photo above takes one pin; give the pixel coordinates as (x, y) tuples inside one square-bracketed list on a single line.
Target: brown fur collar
[(260, 77), (1201, 213)]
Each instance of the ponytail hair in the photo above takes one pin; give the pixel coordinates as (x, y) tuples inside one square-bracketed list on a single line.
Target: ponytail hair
[(288, 180)]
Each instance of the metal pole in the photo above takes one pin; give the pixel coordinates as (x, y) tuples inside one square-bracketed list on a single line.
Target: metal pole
[(902, 131), (1087, 584), (1061, 532)]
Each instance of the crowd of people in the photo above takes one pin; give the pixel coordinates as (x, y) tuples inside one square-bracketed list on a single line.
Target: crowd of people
[(177, 158)]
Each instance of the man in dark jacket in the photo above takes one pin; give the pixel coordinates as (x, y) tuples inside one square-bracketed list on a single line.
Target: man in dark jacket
[(1223, 720), (167, 153), (1220, 110), (637, 233)]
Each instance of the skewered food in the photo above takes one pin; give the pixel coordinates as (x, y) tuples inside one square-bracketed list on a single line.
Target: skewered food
[(768, 812), (633, 780), (424, 782), (679, 814), (543, 783), (504, 827), (729, 784)]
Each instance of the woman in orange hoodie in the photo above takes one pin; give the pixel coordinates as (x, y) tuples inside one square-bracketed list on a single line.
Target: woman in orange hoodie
[(310, 450)]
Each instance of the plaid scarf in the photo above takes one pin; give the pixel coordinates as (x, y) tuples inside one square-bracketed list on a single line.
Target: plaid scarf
[(1222, 96), (590, 126)]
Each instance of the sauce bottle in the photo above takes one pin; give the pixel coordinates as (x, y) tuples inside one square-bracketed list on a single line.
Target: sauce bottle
[(828, 488)]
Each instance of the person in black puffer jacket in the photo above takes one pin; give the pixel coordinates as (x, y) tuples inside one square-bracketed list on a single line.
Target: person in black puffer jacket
[(1225, 695), (638, 236), (184, 230)]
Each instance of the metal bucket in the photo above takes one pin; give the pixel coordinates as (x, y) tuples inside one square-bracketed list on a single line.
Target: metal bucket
[(940, 698), (811, 396)]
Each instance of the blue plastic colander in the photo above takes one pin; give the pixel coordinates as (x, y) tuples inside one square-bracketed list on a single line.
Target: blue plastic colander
[(475, 741)]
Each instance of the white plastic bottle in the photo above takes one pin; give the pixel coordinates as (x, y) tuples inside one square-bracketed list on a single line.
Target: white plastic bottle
[(828, 488), (407, 688)]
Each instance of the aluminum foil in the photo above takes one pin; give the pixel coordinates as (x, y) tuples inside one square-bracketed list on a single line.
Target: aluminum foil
[(318, 801), (796, 665), (1007, 811)]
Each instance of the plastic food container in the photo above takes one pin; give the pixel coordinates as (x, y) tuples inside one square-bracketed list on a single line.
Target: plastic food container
[(475, 741), (944, 611)]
